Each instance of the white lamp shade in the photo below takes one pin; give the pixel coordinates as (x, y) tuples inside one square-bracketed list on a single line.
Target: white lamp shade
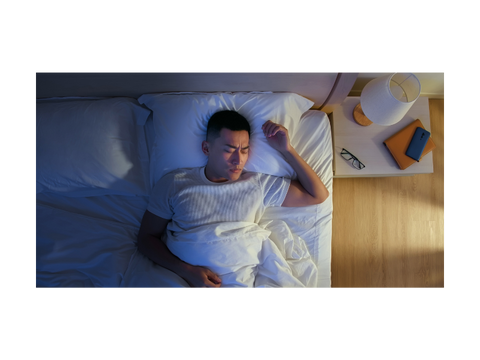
[(386, 100)]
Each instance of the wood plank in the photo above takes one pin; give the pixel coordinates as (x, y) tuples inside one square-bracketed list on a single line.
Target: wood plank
[(389, 232)]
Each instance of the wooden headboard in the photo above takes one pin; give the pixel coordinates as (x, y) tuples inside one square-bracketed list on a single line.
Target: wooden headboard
[(326, 90)]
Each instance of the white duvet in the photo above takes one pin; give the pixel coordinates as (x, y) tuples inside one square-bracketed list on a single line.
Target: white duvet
[(248, 255), (79, 250), (75, 250)]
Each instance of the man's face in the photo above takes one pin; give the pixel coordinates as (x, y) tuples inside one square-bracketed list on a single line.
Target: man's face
[(227, 155)]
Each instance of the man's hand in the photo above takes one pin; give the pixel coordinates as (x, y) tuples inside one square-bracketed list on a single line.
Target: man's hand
[(277, 136), (198, 276)]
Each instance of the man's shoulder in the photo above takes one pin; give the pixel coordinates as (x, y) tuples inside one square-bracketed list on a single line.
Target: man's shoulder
[(250, 175), (262, 176), (264, 180)]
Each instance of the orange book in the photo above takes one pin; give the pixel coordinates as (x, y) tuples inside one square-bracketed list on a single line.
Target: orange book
[(398, 145)]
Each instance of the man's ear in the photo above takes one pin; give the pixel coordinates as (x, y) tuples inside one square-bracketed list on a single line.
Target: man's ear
[(205, 149)]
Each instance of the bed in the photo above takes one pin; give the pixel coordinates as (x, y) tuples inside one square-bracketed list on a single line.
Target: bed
[(104, 140)]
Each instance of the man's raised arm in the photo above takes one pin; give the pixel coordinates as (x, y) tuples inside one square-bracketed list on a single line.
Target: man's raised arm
[(308, 189)]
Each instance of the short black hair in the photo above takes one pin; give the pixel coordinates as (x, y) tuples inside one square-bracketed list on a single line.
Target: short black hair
[(228, 119)]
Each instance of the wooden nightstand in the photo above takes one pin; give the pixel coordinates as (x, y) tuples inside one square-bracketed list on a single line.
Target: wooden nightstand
[(366, 142)]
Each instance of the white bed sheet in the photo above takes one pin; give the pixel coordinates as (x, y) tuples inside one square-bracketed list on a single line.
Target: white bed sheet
[(92, 241)]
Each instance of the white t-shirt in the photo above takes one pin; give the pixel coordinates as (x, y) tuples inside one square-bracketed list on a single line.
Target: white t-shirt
[(190, 200)]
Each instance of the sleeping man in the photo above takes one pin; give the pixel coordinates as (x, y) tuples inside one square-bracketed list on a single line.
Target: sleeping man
[(210, 214)]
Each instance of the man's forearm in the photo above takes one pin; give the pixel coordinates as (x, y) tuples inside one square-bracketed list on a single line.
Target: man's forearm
[(156, 250), (306, 176)]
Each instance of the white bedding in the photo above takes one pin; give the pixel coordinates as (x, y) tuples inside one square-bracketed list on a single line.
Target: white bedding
[(248, 254), (78, 250), (91, 241)]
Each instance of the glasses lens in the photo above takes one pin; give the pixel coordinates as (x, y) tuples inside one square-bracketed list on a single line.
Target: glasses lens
[(357, 164), (346, 155)]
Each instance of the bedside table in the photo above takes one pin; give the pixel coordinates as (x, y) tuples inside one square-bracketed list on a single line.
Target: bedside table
[(366, 142)]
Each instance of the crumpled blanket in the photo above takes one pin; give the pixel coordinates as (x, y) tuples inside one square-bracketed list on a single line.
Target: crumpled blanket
[(247, 254)]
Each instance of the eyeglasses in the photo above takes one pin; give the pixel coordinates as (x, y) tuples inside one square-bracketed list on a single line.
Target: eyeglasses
[(357, 164)]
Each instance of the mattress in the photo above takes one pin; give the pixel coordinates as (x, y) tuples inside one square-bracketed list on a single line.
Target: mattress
[(91, 241)]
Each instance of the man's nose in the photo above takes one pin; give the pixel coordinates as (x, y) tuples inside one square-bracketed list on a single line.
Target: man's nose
[(238, 158), (235, 158)]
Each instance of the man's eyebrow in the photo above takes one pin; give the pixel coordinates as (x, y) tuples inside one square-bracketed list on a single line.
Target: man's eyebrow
[(234, 147)]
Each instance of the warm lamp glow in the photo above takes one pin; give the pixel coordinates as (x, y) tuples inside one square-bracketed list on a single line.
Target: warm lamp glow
[(387, 99)]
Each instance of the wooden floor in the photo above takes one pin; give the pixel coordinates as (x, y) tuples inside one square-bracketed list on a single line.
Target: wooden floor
[(388, 232)]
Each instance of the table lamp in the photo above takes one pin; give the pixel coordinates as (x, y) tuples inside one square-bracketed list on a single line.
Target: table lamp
[(386, 99)]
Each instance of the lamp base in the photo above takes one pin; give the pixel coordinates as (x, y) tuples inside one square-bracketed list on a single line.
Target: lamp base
[(360, 117)]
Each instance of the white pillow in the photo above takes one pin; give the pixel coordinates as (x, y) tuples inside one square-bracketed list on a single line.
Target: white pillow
[(180, 122), (313, 142), (92, 147)]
